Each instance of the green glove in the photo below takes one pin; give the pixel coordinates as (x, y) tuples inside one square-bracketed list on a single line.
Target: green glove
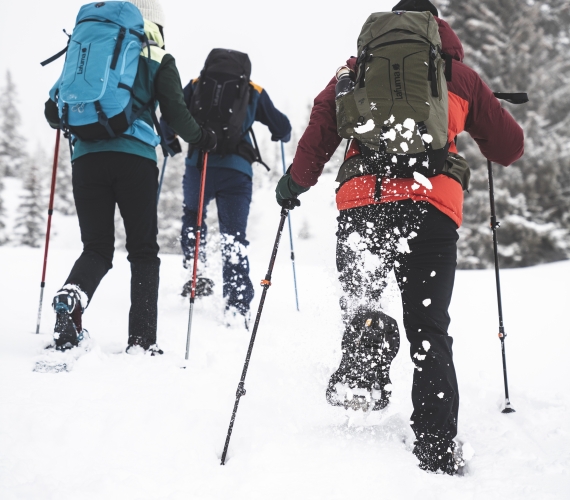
[(287, 191)]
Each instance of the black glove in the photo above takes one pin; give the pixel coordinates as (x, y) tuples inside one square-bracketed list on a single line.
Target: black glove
[(287, 191), (175, 148), (207, 140)]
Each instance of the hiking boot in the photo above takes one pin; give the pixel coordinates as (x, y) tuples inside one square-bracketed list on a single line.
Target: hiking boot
[(362, 381), (138, 346), (204, 287), (439, 456), (237, 317), (68, 331)]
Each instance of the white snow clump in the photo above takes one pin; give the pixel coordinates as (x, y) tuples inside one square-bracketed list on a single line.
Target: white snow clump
[(367, 127)]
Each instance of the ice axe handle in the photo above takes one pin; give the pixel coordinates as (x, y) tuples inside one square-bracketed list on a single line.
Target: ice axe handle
[(512, 97)]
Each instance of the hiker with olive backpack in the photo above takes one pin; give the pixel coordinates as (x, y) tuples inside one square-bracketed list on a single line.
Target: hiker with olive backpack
[(401, 104)]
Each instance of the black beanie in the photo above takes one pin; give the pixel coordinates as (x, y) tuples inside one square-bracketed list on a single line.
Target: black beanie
[(416, 6)]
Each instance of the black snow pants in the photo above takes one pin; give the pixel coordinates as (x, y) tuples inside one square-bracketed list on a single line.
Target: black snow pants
[(419, 243), (101, 181)]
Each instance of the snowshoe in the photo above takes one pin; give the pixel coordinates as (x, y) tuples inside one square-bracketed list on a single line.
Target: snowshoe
[(204, 287), (362, 381), (56, 359), (440, 456), (138, 346)]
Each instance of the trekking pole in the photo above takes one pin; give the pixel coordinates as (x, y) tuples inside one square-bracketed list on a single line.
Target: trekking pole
[(196, 248), (494, 226), (513, 98), (48, 230), (266, 283), (161, 179), (290, 235)]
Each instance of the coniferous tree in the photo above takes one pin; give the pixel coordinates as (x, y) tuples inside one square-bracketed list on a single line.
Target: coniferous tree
[(12, 154), (170, 205), (3, 235), (64, 202), (520, 45), (30, 223)]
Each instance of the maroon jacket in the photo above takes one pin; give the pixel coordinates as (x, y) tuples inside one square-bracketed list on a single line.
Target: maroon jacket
[(472, 107)]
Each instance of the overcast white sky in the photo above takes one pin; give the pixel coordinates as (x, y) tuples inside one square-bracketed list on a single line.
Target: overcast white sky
[(295, 46)]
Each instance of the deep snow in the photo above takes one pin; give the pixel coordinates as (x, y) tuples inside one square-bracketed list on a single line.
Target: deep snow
[(136, 427)]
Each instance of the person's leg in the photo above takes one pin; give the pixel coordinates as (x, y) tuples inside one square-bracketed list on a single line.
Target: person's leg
[(135, 187), (425, 276), (95, 204), (233, 197), (366, 248)]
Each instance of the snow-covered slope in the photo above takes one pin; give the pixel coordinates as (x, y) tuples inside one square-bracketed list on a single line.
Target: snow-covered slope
[(136, 427)]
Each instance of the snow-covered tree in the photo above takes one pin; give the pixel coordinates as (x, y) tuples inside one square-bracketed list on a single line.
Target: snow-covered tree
[(3, 235), (520, 45), (64, 202), (12, 152), (30, 223), (170, 205)]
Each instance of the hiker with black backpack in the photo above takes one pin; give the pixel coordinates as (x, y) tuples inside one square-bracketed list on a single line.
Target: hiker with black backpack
[(401, 104), (116, 72), (224, 99)]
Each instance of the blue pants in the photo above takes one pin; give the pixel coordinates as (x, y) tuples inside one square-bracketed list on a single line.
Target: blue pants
[(232, 191)]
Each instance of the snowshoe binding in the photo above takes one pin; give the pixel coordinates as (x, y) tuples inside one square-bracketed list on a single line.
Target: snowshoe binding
[(362, 381), (204, 287)]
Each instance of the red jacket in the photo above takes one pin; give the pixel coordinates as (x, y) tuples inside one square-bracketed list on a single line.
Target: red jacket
[(472, 108)]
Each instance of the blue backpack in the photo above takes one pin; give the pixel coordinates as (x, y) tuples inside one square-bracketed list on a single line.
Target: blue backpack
[(94, 92)]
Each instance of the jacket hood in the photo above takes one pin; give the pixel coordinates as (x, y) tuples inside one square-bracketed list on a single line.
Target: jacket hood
[(153, 33), (450, 42)]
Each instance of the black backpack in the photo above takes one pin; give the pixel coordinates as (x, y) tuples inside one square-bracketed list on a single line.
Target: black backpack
[(220, 101)]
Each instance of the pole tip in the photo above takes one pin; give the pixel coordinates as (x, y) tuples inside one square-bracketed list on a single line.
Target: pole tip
[(508, 409)]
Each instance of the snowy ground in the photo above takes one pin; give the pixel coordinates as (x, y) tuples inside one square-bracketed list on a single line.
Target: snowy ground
[(124, 427)]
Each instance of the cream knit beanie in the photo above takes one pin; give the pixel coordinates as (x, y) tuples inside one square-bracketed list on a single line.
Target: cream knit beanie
[(150, 10)]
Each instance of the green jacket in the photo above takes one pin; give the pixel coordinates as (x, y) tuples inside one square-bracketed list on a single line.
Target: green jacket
[(159, 71)]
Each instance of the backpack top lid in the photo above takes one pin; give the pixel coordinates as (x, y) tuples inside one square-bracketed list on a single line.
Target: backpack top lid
[(228, 61), (121, 13), (399, 23)]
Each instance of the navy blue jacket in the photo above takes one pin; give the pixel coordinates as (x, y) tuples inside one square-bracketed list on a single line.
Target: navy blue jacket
[(260, 109)]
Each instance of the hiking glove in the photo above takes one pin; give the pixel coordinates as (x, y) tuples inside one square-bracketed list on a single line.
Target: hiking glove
[(174, 147), (287, 191), (207, 141)]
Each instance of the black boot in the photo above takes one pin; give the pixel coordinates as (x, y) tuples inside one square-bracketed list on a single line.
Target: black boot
[(439, 456), (144, 303), (362, 381), (68, 330)]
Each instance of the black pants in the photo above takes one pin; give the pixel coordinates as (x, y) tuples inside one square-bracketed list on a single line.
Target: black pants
[(418, 242), (101, 181)]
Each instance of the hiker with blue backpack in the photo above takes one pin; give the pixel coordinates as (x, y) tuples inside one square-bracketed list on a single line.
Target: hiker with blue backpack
[(115, 73), (224, 99), (401, 104)]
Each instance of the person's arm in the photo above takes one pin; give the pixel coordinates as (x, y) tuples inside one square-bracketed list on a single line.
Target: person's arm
[(498, 135), (173, 108), (269, 115), (51, 113), (320, 139)]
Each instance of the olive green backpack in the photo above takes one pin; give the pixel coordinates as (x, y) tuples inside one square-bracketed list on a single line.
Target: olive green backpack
[(398, 105)]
